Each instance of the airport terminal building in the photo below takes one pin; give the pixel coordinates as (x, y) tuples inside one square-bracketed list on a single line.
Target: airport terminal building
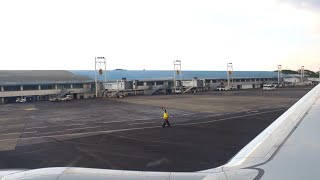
[(40, 85)]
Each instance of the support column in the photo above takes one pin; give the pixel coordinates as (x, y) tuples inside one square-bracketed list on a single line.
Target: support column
[(71, 86), (2, 88), (56, 86), (39, 87), (2, 100), (21, 88)]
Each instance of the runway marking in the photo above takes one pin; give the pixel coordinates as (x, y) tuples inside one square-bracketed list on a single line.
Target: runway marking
[(43, 127), (82, 128), (139, 128), (143, 123), (30, 132), (185, 114), (8, 134), (75, 124), (31, 109), (145, 119), (51, 132)]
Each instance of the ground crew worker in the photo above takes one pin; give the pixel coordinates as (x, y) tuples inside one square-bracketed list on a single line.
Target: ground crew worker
[(166, 118)]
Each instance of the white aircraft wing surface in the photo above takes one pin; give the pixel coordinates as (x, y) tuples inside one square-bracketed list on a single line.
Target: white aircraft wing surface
[(288, 149)]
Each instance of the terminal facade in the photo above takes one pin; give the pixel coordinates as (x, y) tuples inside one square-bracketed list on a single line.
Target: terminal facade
[(43, 85), (163, 86)]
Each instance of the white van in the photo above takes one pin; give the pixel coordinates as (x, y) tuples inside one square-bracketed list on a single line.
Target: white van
[(22, 100), (269, 87)]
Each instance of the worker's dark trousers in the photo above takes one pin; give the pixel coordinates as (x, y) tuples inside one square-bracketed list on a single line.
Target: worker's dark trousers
[(166, 121)]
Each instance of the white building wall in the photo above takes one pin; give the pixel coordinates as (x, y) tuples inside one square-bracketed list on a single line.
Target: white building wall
[(40, 92)]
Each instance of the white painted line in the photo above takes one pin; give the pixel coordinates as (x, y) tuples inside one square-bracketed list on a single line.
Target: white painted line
[(50, 132), (186, 114), (146, 119), (74, 124), (44, 127), (41, 127), (30, 132), (211, 115), (82, 128), (8, 134), (142, 123), (139, 128), (108, 122)]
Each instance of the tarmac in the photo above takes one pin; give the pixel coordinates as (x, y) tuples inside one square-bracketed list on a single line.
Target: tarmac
[(208, 129)]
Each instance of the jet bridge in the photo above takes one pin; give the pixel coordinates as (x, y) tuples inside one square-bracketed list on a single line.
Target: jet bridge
[(193, 85), (62, 93), (156, 88)]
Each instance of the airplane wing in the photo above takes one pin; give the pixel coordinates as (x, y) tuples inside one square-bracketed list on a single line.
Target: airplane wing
[(288, 149)]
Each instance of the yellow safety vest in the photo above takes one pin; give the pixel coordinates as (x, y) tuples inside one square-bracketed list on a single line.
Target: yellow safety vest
[(165, 115)]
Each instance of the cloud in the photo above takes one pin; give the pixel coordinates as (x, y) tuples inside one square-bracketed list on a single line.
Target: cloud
[(304, 4)]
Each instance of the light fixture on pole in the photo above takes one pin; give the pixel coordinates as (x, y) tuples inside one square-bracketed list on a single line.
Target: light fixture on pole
[(302, 73), (100, 63), (279, 73), (230, 74), (176, 71)]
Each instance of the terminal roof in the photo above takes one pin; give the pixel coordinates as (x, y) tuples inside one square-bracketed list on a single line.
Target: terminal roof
[(17, 77)]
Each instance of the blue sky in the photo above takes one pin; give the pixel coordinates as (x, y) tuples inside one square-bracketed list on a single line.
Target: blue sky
[(148, 34)]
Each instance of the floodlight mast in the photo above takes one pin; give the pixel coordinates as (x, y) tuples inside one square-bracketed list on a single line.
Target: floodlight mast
[(99, 61), (302, 73), (230, 74), (176, 70), (279, 73)]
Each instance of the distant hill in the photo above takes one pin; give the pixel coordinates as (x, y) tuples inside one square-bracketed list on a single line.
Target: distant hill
[(311, 73), (307, 72), (287, 71)]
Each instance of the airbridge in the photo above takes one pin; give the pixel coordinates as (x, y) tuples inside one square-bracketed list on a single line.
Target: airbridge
[(166, 86)]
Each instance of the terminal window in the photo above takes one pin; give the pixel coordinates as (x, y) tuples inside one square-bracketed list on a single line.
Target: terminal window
[(140, 83), (64, 86), (47, 86), (11, 88), (160, 83), (30, 87), (76, 86)]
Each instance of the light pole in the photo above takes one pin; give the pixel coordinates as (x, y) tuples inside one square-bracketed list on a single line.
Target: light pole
[(230, 73), (279, 73), (177, 70), (100, 61), (302, 73)]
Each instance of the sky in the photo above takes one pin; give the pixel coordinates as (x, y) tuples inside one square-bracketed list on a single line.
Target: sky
[(149, 34)]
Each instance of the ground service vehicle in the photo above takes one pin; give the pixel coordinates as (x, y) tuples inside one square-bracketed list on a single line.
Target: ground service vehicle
[(268, 87), (22, 100)]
